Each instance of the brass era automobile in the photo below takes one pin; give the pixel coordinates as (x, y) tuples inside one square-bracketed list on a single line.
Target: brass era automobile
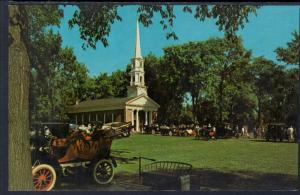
[(58, 151), (276, 131)]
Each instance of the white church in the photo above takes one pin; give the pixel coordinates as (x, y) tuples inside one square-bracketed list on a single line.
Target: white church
[(137, 108)]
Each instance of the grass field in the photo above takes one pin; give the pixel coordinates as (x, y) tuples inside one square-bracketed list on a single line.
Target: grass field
[(226, 155)]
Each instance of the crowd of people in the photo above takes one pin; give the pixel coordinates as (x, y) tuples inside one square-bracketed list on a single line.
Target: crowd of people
[(198, 130), (226, 130)]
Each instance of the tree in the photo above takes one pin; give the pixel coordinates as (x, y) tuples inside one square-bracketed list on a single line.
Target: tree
[(210, 71), (193, 60), (229, 56), (21, 25), (163, 78), (291, 92), (275, 89), (44, 51), (68, 83), (103, 86), (290, 55), (119, 82), (18, 144)]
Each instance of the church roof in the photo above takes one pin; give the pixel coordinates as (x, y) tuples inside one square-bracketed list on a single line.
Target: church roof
[(111, 104), (103, 104)]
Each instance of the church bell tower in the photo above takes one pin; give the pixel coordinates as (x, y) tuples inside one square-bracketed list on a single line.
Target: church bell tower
[(137, 73)]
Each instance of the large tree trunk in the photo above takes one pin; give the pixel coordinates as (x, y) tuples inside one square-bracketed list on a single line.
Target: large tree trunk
[(19, 158)]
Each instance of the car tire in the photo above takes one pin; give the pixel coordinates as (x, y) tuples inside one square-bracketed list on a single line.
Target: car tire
[(43, 177), (103, 171)]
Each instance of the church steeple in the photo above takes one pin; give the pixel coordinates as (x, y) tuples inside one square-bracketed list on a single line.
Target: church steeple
[(137, 73), (137, 42)]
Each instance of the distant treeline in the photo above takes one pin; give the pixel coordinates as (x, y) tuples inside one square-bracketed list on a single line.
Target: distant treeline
[(224, 81)]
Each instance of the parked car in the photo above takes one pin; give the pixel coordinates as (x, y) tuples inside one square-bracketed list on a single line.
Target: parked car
[(225, 131), (165, 130), (276, 131), (124, 127), (209, 133), (148, 129), (185, 130)]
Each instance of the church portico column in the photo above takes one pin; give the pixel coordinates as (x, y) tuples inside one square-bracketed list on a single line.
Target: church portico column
[(132, 117), (150, 117), (146, 117), (137, 127)]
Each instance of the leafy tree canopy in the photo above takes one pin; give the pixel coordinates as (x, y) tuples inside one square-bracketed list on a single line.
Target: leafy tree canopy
[(290, 54), (94, 21)]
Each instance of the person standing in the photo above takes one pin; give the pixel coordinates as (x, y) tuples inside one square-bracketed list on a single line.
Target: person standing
[(254, 132), (243, 131), (290, 133)]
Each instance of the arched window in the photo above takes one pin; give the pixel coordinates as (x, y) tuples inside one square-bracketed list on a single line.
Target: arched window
[(141, 78)]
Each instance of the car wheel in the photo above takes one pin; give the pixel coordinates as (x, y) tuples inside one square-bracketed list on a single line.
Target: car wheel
[(103, 171), (43, 177)]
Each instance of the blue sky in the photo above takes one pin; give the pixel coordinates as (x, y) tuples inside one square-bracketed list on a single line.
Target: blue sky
[(271, 28)]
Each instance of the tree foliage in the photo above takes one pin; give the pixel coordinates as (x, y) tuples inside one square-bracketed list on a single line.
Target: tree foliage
[(290, 54), (225, 83), (94, 21)]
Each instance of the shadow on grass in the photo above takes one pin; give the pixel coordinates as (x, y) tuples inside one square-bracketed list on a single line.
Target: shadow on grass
[(241, 180), (200, 179), (272, 141), (213, 180)]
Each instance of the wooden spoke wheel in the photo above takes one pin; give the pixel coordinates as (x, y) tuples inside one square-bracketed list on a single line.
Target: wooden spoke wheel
[(44, 177), (103, 172)]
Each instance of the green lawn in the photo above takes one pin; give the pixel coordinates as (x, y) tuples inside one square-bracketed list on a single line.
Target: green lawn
[(222, 155)]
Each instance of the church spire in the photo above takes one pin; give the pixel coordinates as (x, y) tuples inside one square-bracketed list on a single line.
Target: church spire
[(137, 73), (137, 41)]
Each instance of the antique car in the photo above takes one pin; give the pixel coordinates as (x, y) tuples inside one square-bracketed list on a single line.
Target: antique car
[(206, 133), (125, 127), (165, 130), (153, 129), (225, 131), (147, 129), (58, 152), (185, 130), (276, 131)]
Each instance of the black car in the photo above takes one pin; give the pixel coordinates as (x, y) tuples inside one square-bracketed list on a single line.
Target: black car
[(276, 131)]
